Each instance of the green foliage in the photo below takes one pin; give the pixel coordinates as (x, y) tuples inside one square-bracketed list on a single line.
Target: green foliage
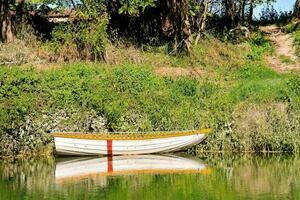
[(285, 59), (249, 106), (268, 90), (131, 98), (290, 27), (83, 36), (259, 46), (297, 40), (294, 86), (134, 7), (259, 39), (81, 39), (294, 28), (258, 83)]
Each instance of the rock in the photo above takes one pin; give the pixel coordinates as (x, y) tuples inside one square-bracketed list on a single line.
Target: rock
[(240, 33)]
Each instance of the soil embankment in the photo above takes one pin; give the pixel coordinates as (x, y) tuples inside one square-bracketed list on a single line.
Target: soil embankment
[(284, 59)]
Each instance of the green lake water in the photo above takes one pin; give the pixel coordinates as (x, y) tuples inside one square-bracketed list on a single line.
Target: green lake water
[(205, 177)]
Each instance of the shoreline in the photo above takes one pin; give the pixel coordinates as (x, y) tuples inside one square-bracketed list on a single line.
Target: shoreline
[(49, 152)]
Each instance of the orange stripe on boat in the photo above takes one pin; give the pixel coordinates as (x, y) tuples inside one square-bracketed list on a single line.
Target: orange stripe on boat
[(110, 164), (109, 156), (109, 147)]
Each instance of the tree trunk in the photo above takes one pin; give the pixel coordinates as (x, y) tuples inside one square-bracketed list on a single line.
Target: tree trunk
[(251, 13), (229, 13), (185, 27), (20, 10), (176, 26), (297, 9), (6, 23), (202, 21), (243, 11)]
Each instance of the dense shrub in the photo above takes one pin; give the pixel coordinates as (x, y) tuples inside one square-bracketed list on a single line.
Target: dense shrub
[(83, 97), (297, 40), (80, 39)]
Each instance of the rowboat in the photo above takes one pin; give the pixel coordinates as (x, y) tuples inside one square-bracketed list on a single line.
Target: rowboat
[(98, 168), (68, 143)]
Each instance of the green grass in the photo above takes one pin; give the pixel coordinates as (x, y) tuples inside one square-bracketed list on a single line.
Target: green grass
[(297, 41), (249, 106), (294, 28), (285, 59)]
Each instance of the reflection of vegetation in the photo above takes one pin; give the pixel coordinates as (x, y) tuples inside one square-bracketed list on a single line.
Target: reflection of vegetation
[(22, 176), (232, 177), (274, 175)]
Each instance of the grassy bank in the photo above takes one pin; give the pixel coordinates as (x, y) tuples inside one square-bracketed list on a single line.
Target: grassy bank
[(297, 39), (294, 28), (223, 86)]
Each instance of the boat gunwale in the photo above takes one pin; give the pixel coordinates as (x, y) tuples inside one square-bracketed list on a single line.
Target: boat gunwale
[(129, 135)]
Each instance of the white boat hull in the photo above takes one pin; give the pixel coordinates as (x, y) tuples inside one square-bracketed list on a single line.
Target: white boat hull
[(77, 146)]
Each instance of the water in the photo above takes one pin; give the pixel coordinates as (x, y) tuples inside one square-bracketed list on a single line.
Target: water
[(152, 177)]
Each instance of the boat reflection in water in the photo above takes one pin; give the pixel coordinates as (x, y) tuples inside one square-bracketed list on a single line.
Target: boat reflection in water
[(93, 168)]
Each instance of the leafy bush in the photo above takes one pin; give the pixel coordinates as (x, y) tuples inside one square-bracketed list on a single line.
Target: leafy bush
[(259, 46), (82, 38), (291, 27), (294, 86), (249, 106), (297, 41)]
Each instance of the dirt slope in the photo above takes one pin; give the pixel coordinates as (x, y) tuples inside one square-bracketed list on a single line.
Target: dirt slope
[(285, 58)]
